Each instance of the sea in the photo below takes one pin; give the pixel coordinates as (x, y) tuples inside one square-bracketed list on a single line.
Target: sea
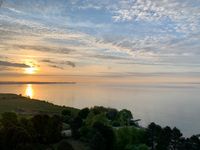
[(173, 104)]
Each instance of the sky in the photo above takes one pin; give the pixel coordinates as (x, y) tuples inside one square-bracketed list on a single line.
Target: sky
[(100, 40)]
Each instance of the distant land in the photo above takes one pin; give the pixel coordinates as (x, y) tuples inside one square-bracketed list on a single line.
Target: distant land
[(13, 82)]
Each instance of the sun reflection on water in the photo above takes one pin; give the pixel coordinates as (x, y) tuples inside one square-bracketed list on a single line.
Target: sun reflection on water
[(29, 91)]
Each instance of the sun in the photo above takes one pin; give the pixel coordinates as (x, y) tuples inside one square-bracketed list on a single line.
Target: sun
[(31, 70)]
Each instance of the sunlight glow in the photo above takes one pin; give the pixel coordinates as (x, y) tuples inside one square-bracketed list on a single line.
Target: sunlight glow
[(30, 70), (29, 91)]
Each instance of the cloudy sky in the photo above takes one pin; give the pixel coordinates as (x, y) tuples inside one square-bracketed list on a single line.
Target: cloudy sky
[(102, 39)]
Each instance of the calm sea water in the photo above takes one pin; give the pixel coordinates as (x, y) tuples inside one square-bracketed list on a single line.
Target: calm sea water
[(166, 104)]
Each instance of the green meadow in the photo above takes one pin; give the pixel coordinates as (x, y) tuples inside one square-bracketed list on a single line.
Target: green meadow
[(25, 106)]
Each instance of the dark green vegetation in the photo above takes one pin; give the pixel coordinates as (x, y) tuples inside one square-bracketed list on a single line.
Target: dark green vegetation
[(26, 106), (97, 128)]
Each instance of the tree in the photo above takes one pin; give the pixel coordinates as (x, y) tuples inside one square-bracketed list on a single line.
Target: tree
[(127, 137), (175, 138), (112, 114), (64, 145), (14, 137), (83, 113), (194, 142), (75, 126), (164, 139), (125, 116), (98, 109), (66, 112), (124, 138), (92, 118), (107, 133), (67, 116), (40, 123), (137, 147), (152, 134), (53, 129), (97, 142)]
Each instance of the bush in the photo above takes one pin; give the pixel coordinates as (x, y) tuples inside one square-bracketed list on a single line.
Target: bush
[(98, 142), (9, 119), (83, 113), (137, 147), (112, 114), (107, 133), (66, 112), (64, 145)]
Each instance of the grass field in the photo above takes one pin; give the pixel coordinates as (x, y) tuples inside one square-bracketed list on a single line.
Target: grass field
[(26, 106)]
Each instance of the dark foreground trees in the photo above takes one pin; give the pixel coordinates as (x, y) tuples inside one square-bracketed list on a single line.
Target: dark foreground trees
[(21, 133), (158, 138), (97, 128)]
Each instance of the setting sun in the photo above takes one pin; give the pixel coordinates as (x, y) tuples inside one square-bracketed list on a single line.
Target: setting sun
[(30, 70)]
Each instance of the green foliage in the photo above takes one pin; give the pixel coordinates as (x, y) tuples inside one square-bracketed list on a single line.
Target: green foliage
[(26, 107), (127, 136), (125, 116), (75, 126), (116, 123), (164, 139), (100, 128), (152, 135), (112, 114), (66, 112), (98, 109), (53, 129), (100, 117), (64, 145), (83, 113), (107, 135), (137, 147), (97, 142), (9, 119), (14, 136)]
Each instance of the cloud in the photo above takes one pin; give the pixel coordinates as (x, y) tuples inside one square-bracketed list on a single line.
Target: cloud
[(47, 61), (109, 57), (181, 12), (44, 48), (69, 63), (150, 74), (1, 2), (179, 15), (121, 33), (11, 64), (55, 66)]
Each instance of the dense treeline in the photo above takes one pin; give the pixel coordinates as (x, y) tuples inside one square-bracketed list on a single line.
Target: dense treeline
[(98, 128)]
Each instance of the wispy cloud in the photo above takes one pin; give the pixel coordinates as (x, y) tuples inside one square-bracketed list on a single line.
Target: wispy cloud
[(119, 33), (57, 67), (183, 14), (43, 48), (59, 63), (13, 64), (1, 2)]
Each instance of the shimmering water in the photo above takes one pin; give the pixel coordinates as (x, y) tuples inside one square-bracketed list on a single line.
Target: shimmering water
[(166, 104)]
